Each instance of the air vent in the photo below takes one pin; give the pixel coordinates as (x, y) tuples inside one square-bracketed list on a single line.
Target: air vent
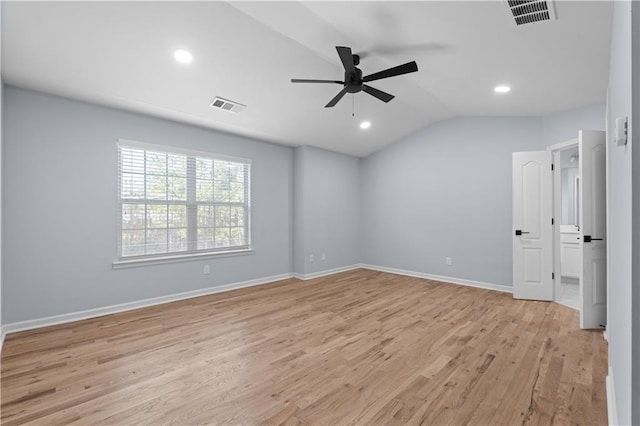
[(531, 11), (227, 105)]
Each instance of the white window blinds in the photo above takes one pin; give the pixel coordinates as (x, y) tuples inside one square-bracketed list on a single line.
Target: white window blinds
[(180, 202)]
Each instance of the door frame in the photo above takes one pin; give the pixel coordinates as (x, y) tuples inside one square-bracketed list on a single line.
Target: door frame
[(555, 150)]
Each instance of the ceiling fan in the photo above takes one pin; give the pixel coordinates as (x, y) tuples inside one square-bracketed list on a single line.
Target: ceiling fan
[(353, 80)]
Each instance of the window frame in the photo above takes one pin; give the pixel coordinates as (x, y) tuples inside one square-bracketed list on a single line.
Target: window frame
[(177, 256)]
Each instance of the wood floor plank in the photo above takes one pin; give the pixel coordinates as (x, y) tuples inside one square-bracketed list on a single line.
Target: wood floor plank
[(360, 347)]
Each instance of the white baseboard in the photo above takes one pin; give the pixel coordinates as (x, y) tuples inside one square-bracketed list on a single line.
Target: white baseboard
[(560, 302), (326, 272), (611, 400), (2, 333), (113, 309), (451, 280)]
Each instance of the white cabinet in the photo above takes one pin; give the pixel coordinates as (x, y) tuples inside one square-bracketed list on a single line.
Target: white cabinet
[(570, 251)]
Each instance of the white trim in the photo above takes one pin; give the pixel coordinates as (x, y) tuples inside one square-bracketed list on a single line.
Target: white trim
[(557, 218), (560, 302), (132, 263), (611, 400), (563, 145), (176, 150), (2, 334), (608, 207), (326, 272), (113, 309), (450, 280), (441, 278)]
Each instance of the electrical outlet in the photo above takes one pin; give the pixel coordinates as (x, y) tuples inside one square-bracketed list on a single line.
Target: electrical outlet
[(324, 256), (449, 261), (205, 269), (311, 258)]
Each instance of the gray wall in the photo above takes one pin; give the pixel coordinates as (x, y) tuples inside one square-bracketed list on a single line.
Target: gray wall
[(446, 192), (60, 208), (1, 149), (620, 256), (635, 124), (298, 211), (1, 205), (326, 210), (561, 127), (447, 184)]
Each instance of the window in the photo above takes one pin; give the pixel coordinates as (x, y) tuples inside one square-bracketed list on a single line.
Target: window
[(179, 202)]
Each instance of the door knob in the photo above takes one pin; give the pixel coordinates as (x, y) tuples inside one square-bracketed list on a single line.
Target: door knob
[(519, 232)]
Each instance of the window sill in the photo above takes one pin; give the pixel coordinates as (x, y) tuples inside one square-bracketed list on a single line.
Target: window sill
[(159, 260)]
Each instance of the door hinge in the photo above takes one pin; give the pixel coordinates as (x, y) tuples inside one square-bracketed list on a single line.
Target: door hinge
[(552, 221), (551, 167), (553, 275)]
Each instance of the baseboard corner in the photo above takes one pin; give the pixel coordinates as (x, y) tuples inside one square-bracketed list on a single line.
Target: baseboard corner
[(326, 272)]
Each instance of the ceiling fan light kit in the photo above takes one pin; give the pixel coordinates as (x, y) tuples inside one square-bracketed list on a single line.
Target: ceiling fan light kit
[(354, 82)]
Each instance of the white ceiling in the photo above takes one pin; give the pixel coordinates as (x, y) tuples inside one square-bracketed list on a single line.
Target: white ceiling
[(120, 54)]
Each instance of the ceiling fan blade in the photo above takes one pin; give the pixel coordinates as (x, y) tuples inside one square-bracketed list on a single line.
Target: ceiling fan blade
[(392, 72), (335, 100), (302, 80), (383, 96), (347, 59)]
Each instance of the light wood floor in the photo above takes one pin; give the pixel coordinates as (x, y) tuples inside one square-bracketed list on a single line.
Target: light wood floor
[(361, 347)]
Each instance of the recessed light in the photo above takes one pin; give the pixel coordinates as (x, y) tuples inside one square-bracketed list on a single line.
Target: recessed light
[(365, 124), (502, 89), (183, 56)]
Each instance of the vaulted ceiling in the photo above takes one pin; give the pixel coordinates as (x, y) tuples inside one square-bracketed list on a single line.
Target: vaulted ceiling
[(120, 54)]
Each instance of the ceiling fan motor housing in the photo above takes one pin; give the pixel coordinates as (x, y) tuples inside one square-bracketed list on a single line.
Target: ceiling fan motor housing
[(353, 81)]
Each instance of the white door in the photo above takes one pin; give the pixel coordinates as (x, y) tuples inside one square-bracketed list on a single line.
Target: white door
[(532, 229), (592, 198)]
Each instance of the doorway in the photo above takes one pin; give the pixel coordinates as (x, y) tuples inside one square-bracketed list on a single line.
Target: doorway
[(568, 241), (559, 226)]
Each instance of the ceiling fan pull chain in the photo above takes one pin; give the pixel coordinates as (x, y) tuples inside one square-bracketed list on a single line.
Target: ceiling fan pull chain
[(353, 105)]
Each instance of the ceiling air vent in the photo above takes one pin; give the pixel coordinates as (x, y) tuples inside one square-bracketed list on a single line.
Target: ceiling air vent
[(531, 11), (227, 105)]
